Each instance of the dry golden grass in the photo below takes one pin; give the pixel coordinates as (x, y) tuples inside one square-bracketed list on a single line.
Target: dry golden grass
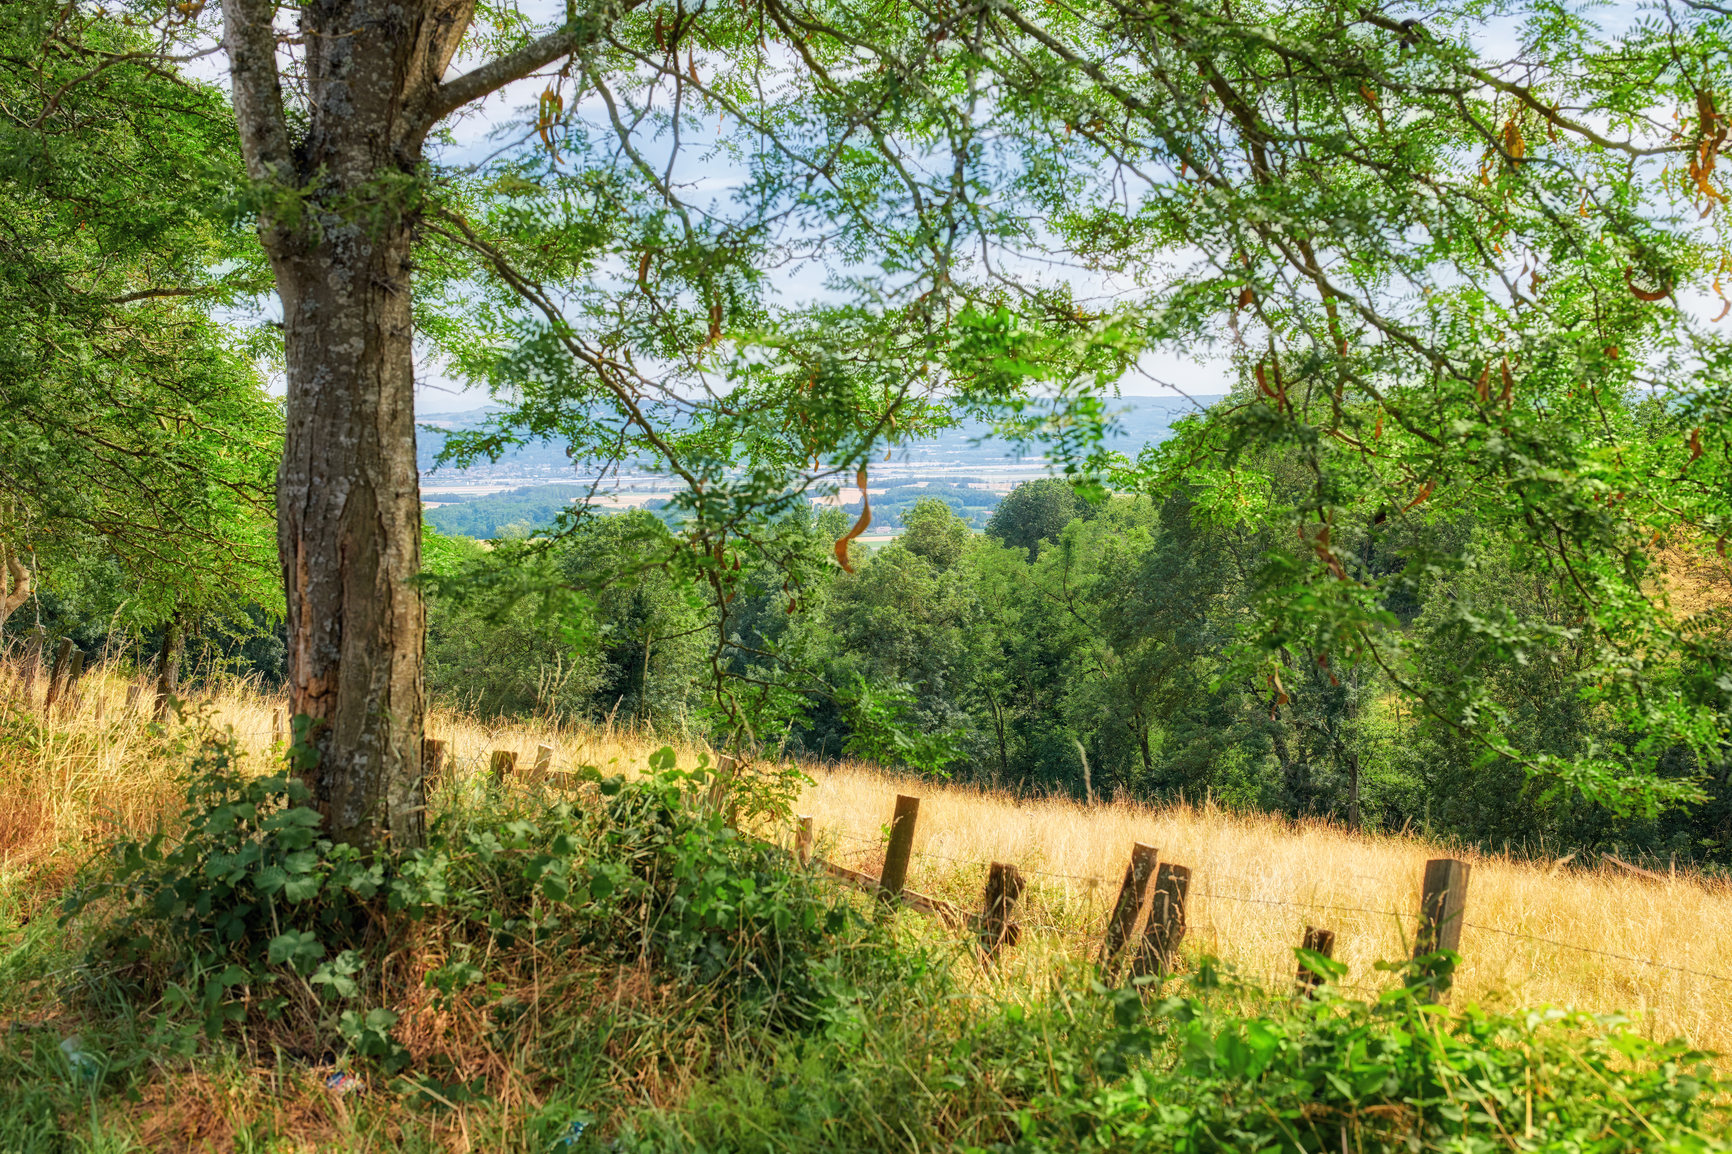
[(1257, 880)]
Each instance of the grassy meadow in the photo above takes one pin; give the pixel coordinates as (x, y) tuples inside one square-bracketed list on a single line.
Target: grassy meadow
[(728, 1003), (1257, 880)]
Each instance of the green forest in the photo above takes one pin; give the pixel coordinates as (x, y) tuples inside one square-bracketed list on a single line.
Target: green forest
[(1073, 633), (1071, 647), (1439, 583)]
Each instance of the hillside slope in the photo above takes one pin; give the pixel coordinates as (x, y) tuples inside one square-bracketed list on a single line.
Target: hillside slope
[(1537, 933)]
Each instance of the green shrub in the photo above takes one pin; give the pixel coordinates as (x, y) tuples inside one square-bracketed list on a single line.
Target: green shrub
[(1394, 1074), (249, 915), (1219, 1067), (244, 904), (799, 1024)]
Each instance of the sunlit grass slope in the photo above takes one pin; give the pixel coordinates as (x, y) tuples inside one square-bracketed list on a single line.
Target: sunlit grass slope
[(1257, 880)]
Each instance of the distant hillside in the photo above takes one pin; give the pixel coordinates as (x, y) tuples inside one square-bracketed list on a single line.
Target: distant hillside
[(945, 468), (517, 510), (532, 507), (1138, 421), (973, 505)]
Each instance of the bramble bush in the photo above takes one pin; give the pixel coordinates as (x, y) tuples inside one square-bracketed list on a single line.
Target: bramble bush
[(248, 914), (1196, 1072)]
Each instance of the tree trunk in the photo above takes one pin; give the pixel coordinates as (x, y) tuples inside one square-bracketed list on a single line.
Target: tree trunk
[(168, 666), (1353, 789), (1295, 772), (349, 526), (1003, 773), (15, 587), (341, 193)]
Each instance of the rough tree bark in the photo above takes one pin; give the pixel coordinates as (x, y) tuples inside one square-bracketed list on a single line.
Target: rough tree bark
[(14, 585), (168, 666), (1353, 789), (341, 190)]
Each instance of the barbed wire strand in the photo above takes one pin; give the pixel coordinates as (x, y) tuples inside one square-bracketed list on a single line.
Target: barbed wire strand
[(878, 842), (1598, 953), (1314, 906), (1209, 892)]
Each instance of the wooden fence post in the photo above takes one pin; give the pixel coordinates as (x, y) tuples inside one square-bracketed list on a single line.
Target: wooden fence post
[(432, 764), (1166, 926), (432, 761), (543, 759), (71, 699), (277, 726), (502, 765), (1318, 941), (132, 692), (1442, 904), (1130, 903), (725, 767), (1003, 888), (36, 641), (803, 841), (62, 654), (900, 849)]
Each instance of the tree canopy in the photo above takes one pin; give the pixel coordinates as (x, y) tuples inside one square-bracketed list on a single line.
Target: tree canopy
[(1454, 278), (1451, 289), (137, 431)]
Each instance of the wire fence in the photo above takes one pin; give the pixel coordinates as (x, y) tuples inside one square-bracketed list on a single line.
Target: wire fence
[(1598, 953), (1090, 927), (1092, 933)]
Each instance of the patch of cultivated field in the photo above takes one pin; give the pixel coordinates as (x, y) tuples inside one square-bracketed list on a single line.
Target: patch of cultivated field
[(1537, 933)]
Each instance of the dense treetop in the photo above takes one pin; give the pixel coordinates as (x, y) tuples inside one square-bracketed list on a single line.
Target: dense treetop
[(137, 432), (1456, 277)]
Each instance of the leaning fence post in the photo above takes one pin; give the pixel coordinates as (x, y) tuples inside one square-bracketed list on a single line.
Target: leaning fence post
[(997, 929), (62, 654), (725, 766), (1166, 925), (900, 849), (803, 841), (1130, 903), (502, 765), (543, 759), (1442, 903), (1318, 941)]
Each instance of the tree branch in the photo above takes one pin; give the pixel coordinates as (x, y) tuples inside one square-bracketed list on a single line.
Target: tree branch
[(251, 40), (147, 294), (19, 593), (585, 30)]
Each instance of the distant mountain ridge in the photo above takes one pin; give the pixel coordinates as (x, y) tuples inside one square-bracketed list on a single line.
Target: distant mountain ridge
[(1138, 420)]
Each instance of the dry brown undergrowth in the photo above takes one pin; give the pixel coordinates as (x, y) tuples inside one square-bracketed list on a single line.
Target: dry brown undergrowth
[(1257, 882)]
